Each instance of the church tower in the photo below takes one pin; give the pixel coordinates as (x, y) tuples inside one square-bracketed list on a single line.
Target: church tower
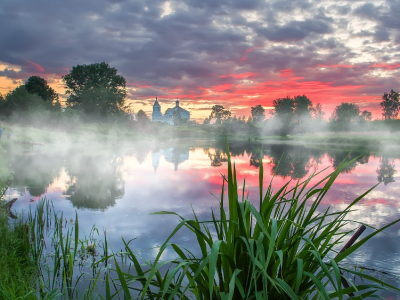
[(156, 115)]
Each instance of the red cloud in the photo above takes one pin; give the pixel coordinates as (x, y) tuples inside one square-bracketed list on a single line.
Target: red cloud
[(36, 66), (386, 66)]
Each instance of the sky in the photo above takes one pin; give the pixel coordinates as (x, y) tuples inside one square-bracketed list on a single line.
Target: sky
[(236, 53)]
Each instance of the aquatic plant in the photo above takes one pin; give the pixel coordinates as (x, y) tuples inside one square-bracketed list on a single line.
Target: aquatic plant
[(283, 249)]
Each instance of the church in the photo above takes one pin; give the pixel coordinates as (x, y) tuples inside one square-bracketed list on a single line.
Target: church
[(168, 117)]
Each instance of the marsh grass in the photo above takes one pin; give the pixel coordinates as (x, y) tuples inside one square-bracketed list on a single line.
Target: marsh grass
[(282, 248)]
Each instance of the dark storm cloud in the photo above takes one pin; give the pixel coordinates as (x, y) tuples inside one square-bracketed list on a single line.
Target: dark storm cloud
[(195, 44)]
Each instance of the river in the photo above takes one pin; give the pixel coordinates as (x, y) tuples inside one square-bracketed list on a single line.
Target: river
[(116, 189)]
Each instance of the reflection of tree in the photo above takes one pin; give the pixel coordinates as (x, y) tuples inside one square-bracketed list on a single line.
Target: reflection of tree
[(386, 170), (96, 181), (217, 156), (35, 171), (255, 160), (293, 161), (337, 157), (141, 153)]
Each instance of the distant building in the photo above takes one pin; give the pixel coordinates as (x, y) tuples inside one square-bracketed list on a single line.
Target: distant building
[(168, 117)]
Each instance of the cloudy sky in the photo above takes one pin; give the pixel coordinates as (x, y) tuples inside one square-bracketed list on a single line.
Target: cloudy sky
[(238, 53)]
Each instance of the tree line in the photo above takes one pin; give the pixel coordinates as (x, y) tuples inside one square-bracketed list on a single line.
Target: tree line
[(298, 115), (96, 92)]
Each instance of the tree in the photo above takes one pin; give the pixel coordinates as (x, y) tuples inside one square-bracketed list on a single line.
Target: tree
[(141, 117), (2, 104), (19, 100), (303, 108), (366, 115), (284, 109), (346, 113), (37, 85), (207, 120), (219, 113), (317, 112), (96, 89), (390, 105), (258, 113)]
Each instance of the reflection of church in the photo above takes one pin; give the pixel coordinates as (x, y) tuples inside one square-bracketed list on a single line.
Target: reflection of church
[(173, 155)]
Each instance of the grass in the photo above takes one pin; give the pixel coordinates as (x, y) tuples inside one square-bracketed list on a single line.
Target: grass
[(18, 272), (285, 247)]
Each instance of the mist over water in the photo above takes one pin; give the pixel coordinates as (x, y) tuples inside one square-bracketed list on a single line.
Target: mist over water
[(116, 190)]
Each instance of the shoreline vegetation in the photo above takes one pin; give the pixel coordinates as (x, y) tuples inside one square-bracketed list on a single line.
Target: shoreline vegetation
[(283, 247), (96, 109)]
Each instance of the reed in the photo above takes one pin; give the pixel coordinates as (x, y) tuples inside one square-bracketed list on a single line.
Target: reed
[(283, 248)]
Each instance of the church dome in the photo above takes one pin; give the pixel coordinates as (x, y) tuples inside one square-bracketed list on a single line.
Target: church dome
[(156, 103)]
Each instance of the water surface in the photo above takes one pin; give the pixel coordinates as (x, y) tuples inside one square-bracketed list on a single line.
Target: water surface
[(116, 189)]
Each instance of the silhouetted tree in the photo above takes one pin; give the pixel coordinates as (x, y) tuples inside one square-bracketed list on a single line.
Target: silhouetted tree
[(284, 108), (258, 113), (390, 105), (367, 115), (219, 113), (95, 89), (19, 100), (317, 112), (141, 117), (207, 120), (284, 112), (37, 85), (303, 108), (347, 114)]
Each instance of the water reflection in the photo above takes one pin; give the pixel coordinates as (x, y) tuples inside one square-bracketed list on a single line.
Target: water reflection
[(337, 156), (216, 156), (95, 181), (118, 189), (174, 155), (386, 170), (34, 171)]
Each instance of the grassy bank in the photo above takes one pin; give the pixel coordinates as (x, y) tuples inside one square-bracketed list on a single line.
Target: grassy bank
[(18, 271)]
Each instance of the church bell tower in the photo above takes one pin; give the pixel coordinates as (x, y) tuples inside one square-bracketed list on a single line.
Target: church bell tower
[(156, 115)]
